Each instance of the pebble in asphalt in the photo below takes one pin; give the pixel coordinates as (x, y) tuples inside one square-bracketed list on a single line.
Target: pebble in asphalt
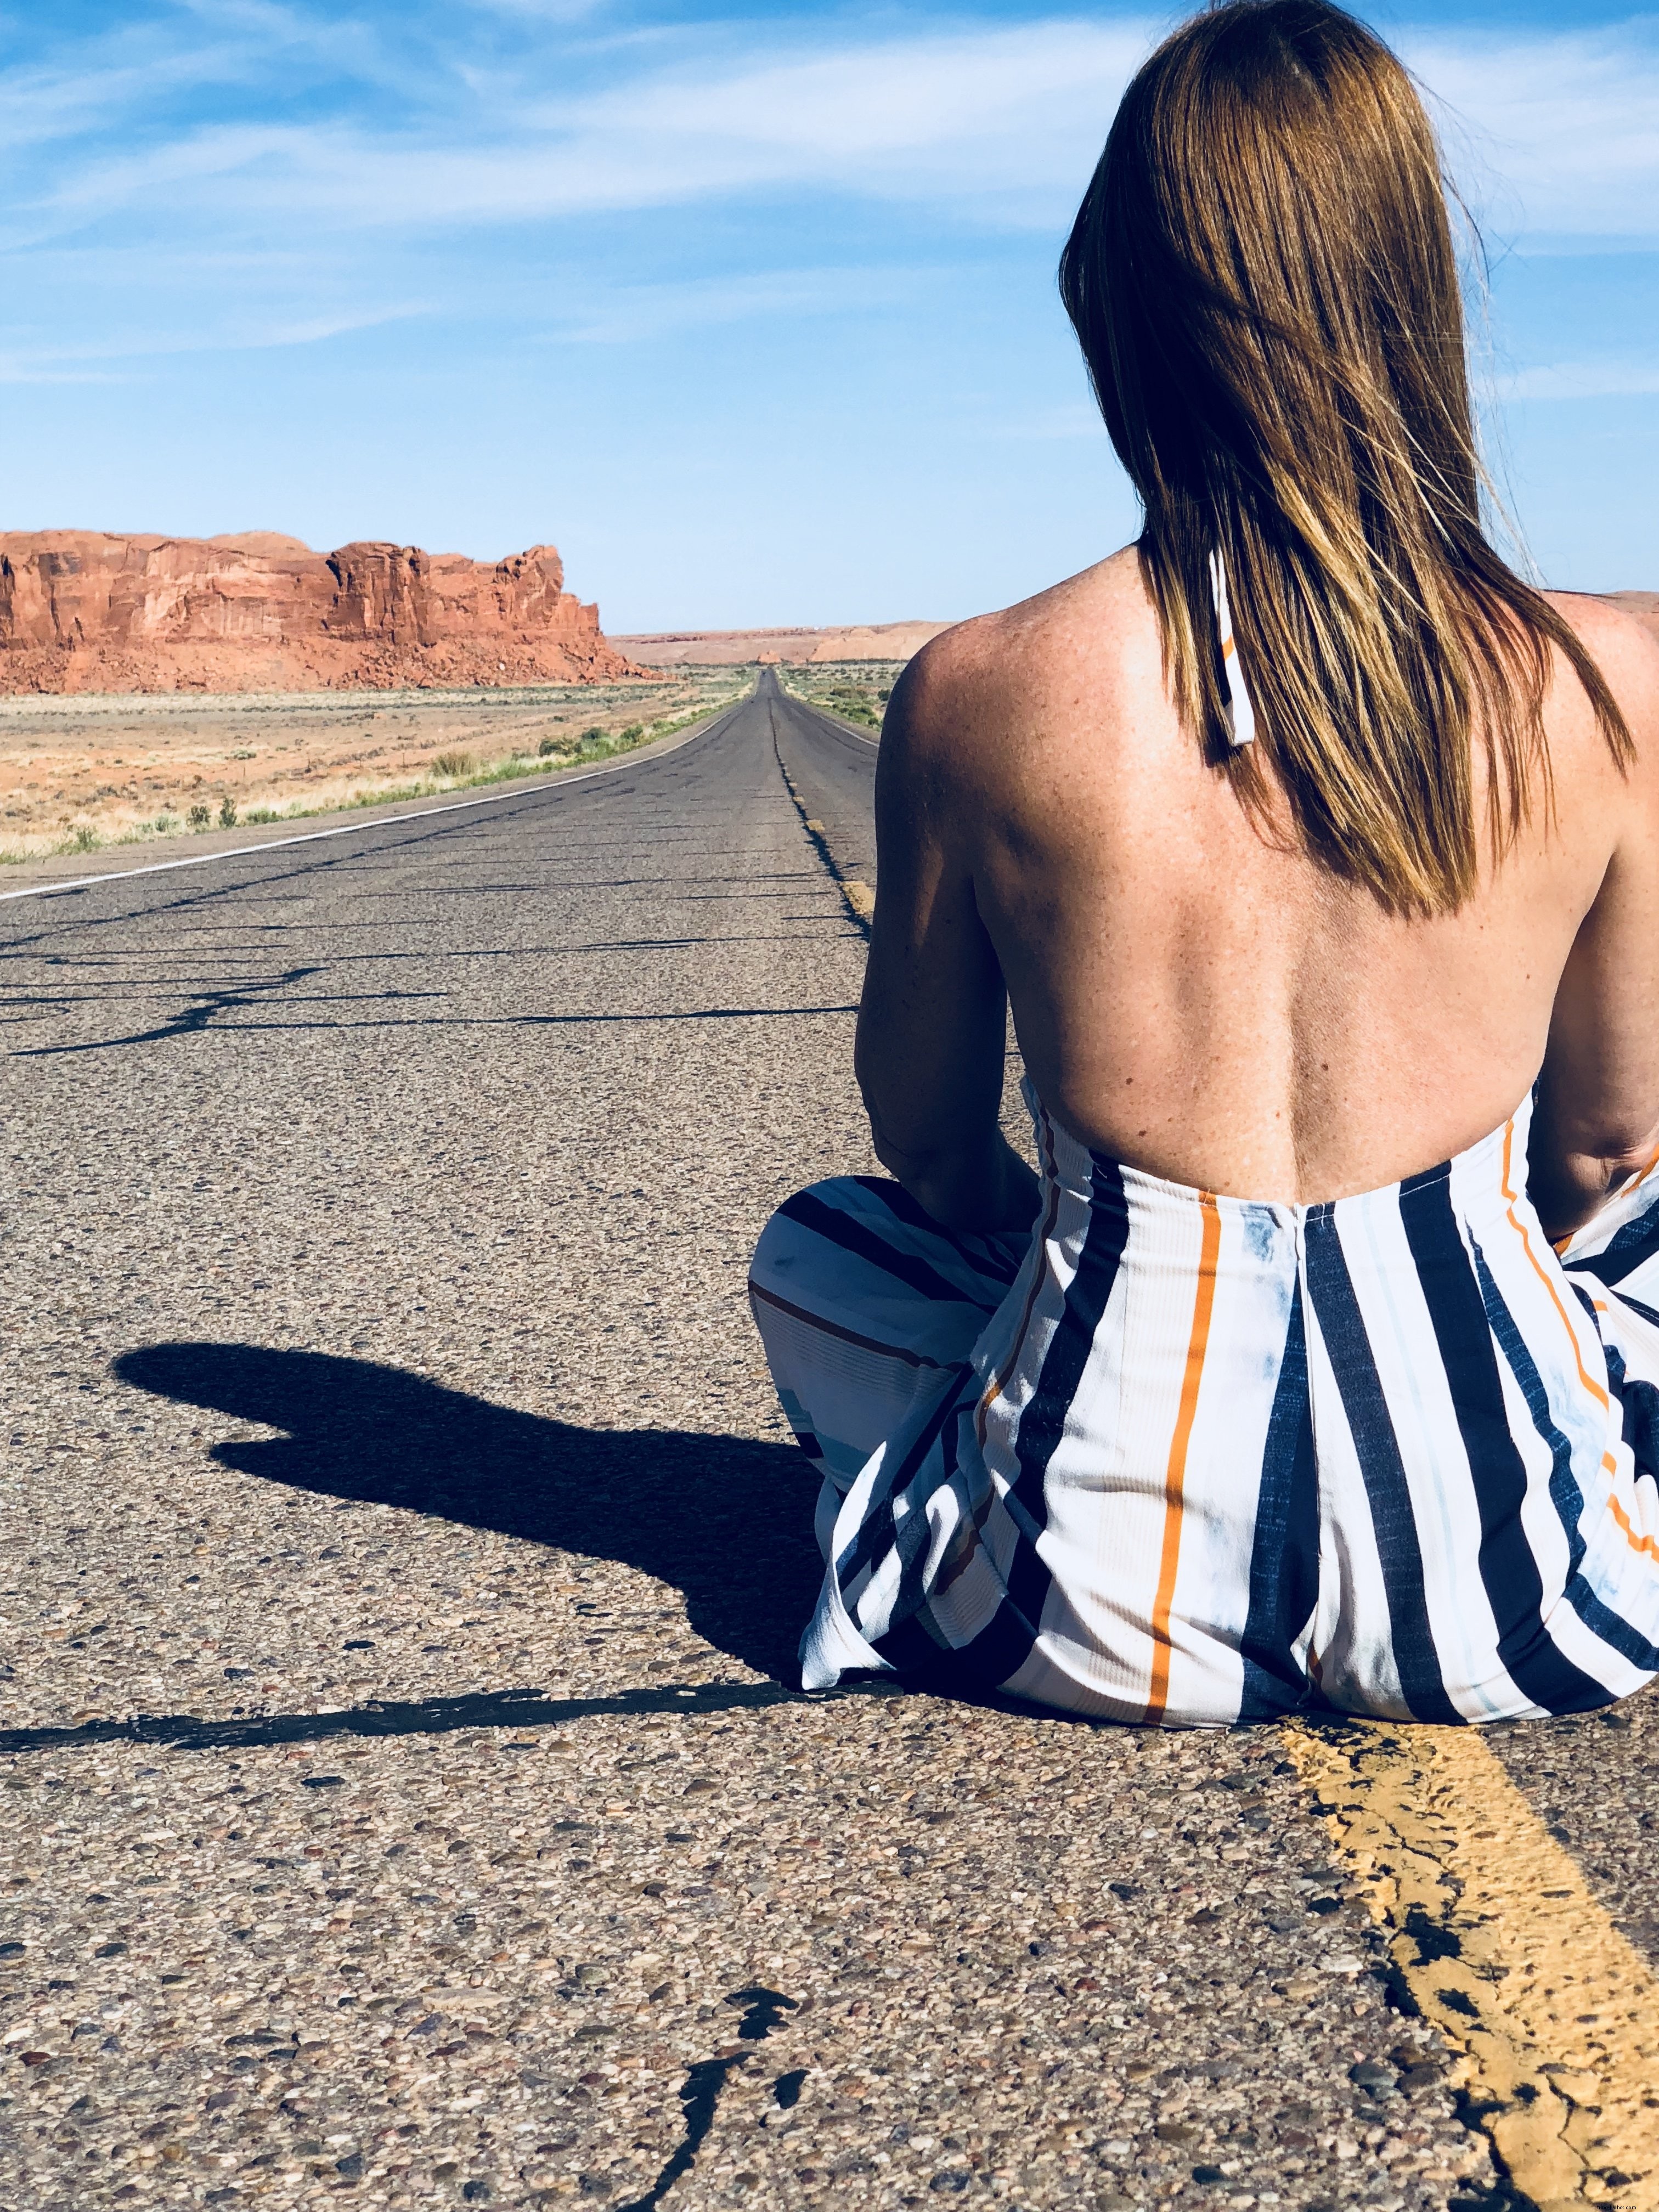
[(375, 1242)]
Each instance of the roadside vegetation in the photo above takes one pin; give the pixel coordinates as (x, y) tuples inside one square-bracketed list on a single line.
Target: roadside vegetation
[(856, 691), (74, 772)]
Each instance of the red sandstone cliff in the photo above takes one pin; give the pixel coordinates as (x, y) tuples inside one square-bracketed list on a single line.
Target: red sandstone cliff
[(82, 611)]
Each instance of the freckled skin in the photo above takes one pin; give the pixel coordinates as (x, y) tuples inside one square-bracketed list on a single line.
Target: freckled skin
[(1047, 827)]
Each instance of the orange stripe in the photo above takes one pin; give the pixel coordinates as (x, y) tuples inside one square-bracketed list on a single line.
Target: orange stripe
[(1000, 1376), (1637, 1543), (1588, 1381), (1175, 1482)]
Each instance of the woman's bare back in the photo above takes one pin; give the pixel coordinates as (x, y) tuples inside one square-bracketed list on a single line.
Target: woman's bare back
[(1121, 1437), (1202, 999)]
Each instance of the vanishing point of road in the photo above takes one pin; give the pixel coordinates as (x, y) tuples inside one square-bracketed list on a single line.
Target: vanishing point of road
[(407, 1799)]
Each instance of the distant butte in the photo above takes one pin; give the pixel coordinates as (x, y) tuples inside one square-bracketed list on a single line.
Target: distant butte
[(1644, 605), (899, 640), (680, 648), (86, 610)]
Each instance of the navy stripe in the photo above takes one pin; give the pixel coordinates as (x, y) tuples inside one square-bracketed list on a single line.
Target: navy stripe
[(1566, 1495), (983, 1254), (911, 1645), (1514, 1589), (1638, 1404), (877, 1532), (1003, 1644), (840, 1229), (1285, 1550), (1330, 1290), (1638, 1240), (1597, 1616), (912, 1536)]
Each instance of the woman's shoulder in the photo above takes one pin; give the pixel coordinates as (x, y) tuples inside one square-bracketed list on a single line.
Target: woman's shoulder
[(985, 681), (1620, 633)]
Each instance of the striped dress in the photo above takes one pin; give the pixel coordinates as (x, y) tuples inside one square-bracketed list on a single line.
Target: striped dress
[(1189, 1460)]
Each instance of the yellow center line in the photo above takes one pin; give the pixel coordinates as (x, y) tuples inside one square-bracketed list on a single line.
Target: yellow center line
[(1505, 1949), (860, 900)]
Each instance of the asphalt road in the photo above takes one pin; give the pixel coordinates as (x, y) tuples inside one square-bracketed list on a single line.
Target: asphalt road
[(832, 769), (405, 1796)]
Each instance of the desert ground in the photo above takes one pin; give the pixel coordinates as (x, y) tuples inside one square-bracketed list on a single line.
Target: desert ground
[(79, 772)]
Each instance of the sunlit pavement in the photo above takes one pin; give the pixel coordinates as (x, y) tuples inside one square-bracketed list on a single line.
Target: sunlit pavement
[(407, 1794)]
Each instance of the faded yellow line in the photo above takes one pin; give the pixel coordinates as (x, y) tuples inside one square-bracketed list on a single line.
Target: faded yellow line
[(860, 898), (1505, 1949)]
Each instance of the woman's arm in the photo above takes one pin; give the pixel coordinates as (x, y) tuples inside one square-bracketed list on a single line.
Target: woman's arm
[(1597, 1121), (932, 1023)]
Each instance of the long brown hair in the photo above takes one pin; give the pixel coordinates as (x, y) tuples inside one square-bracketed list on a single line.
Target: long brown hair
[(1262, 279)]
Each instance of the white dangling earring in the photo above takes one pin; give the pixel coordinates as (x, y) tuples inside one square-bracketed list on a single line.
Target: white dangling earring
[(1241, 714)]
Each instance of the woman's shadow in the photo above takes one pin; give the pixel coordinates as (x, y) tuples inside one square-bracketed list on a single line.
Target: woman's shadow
[(726, 1520)]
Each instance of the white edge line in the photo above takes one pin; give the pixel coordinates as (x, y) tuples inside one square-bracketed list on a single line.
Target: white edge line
[(845, 729), (356, 829)]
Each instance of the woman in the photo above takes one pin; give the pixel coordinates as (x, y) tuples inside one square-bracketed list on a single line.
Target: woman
[(1319, 858)]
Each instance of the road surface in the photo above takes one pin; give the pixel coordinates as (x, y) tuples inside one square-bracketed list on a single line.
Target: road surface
[(407, 1799)]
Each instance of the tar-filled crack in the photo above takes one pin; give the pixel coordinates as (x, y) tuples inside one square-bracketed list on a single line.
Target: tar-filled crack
[(1432, 1938), (816, 837), (199, 1015), (1500, 2194), (764, 2009)]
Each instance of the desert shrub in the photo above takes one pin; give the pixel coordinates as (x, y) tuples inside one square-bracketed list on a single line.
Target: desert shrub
[(452, 764), (262, 814), (165, 824), (633, 733), (546, 745), (199, 817), (226, 812), (83, 838), (592, 738)]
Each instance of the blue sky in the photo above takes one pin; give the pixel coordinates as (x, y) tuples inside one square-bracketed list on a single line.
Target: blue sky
[(752, 313)]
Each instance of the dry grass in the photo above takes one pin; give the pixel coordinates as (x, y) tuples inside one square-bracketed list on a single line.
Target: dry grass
[(856, 691), (77, 774)]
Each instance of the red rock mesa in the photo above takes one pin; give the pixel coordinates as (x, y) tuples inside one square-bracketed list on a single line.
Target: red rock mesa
[(84, 610)]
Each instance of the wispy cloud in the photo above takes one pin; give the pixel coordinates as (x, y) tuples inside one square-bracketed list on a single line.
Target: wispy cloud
[(1008, 120), (1580, 379), (47, 362), (254, 132), (1000, 122), (625, 314), (1552, 133)]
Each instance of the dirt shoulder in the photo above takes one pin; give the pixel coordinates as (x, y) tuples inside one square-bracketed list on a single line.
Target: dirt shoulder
[(48, 869), (79, 772)]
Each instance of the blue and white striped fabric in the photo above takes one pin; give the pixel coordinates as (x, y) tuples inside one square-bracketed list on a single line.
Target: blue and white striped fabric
[(1192, 1460)]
